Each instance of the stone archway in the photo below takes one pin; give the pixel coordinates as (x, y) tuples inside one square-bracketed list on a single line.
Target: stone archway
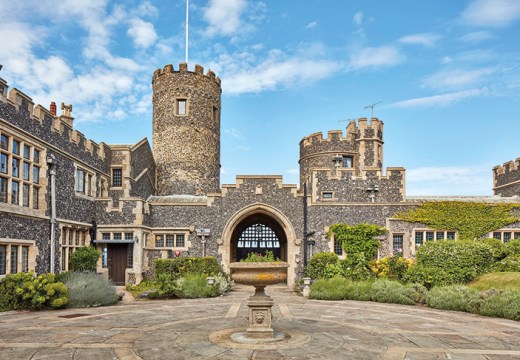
[(270, 217)]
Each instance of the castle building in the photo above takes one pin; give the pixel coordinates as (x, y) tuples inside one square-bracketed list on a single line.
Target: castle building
[(137, 203)]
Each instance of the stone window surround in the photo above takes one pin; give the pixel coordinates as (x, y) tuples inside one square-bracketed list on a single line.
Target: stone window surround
[(435, 236), (515, 234), (331, 246), (93, 186), (187, 106), (112, 168), (68, 232), (324, 198), (32, 253), (152, 238), (22, 144)]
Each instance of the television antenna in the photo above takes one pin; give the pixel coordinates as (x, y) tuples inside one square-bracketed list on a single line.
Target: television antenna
[(371, 106), (346, 120)]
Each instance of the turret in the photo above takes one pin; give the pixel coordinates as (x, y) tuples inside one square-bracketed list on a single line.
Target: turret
[(186, 130)]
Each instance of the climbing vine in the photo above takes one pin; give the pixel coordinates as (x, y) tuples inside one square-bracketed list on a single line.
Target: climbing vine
[(358, 239), (470, 220)]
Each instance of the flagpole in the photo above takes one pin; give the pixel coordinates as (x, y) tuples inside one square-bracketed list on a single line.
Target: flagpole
[(187, 5)]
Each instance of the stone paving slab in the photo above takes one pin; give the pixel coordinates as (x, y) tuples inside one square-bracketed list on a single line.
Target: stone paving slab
[(201, 329)]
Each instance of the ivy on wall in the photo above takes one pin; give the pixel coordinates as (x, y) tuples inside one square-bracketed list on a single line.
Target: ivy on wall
[(470, 220), (358, 239)]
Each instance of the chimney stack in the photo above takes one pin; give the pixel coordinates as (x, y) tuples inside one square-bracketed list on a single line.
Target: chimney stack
[(52, 108)]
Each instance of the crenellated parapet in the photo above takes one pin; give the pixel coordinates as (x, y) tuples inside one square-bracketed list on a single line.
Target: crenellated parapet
[(506, 178), (343, 186), (183, 68), (361, 147), (24, 106)]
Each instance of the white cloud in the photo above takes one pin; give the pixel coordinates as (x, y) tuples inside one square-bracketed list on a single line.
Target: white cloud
[(147, 9), (492, 12), (224, 16), (476, 37), (272, 73), (376, 57), (440, 100), (358, 18), (142, 32), (449, 180), (456, 78), (424, 39), (311, 25), (235, 133)]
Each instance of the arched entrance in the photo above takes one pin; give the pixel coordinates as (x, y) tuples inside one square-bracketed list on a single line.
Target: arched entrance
[(270, 219), (258, 233)]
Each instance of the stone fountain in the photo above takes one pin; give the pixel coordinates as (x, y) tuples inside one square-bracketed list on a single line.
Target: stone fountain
[(259, 275)]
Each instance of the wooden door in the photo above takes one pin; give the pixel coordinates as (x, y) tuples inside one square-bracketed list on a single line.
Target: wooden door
[(117, 258)]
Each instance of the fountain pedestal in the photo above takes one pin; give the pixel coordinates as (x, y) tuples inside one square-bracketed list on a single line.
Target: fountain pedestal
[(259, 275), (260, 315)]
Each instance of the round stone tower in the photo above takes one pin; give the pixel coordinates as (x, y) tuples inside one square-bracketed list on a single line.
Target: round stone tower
[(186, 130)]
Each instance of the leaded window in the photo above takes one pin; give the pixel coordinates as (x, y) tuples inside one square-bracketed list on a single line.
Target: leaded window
[(397, 243)]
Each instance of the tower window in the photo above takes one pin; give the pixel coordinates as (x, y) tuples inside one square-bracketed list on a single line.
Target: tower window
[(181, 107), (117, 177), (346, 161)]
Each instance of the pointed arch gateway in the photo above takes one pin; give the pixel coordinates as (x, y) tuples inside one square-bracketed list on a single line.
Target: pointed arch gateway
[(257, 228)]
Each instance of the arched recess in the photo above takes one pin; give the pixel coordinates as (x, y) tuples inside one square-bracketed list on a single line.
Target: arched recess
[(272, 218)]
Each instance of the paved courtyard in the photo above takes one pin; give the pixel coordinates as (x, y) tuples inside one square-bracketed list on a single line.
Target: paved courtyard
[(200, 329)]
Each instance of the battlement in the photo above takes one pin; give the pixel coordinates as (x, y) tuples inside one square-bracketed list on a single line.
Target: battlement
[(354, 131), (24, 104), (507, 167), (183, 68)]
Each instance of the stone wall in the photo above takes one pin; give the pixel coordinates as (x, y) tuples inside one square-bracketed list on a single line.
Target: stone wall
[(142, 171), (186, 147)]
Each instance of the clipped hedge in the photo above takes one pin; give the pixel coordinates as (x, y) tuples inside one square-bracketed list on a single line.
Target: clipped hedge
[(461, 261), (179, 267), (24, 291), (513, 247)]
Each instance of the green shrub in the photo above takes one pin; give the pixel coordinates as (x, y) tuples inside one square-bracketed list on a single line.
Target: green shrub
[(193, 286), (461, 261), (317, 266), (356, 267), (84, 259), (501, 303), (178, 267), (510, 263), (428, 276), (497, 247), (224, 283), (392, 267), (513, 247), (454, 297), (387, 291), (335, 288), (24, 291), (88, 289)]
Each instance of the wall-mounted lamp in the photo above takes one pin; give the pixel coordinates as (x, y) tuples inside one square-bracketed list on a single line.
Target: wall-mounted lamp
[(136, 239)]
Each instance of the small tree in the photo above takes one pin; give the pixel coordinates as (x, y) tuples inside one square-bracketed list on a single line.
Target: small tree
[(84, 259)]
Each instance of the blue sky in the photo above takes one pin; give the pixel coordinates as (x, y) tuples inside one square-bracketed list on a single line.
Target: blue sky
[(446, 73)]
